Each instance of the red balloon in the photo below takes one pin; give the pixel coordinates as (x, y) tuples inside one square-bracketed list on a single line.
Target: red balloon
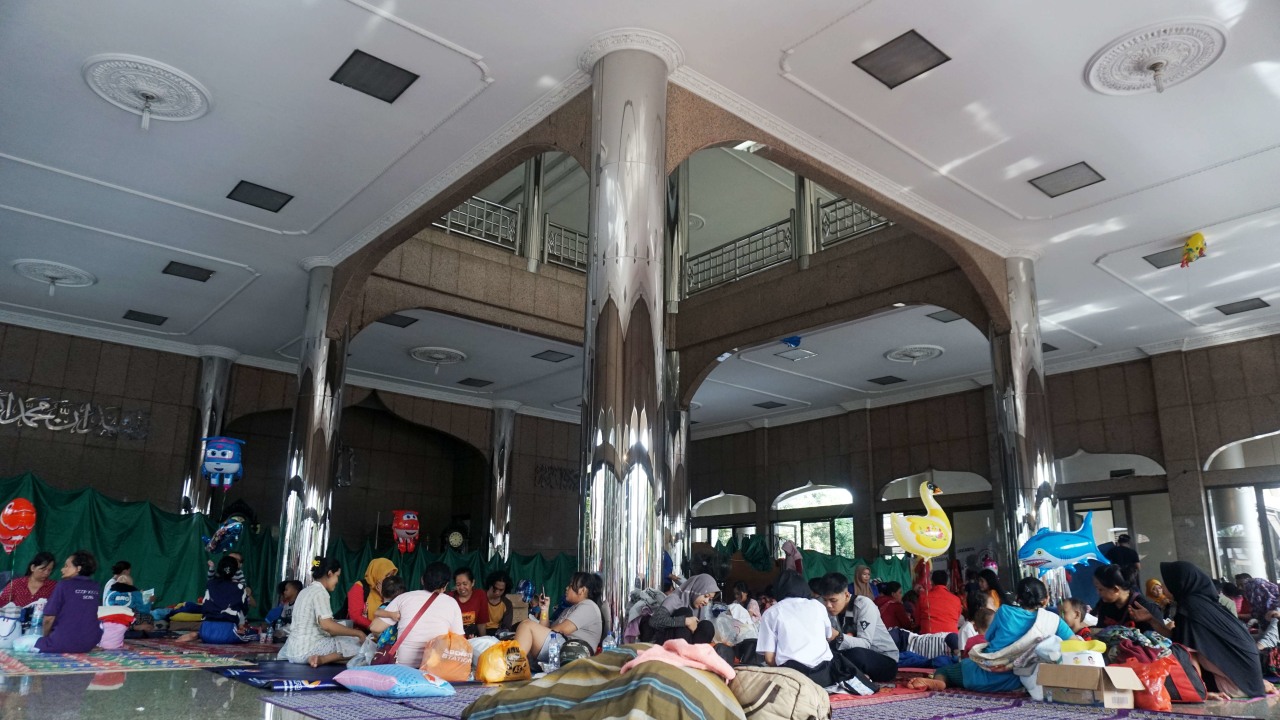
[(16, 522)]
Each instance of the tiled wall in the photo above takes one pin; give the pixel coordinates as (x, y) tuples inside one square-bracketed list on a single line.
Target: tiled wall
[(544, 516), (34, 363), (1110, 409)]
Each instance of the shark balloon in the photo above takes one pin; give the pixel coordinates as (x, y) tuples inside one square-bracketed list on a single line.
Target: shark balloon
[(1049, 549), (222, 464)]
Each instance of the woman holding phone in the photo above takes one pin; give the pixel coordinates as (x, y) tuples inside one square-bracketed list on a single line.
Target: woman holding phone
[(583, 619)]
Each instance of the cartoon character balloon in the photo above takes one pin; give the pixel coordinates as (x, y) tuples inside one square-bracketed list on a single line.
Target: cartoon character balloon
[(404, 523), (222, 461), (226, 536), (16, 522), (1049, 549), (926, 536)]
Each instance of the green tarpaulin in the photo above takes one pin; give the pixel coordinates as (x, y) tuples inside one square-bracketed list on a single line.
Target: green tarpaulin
[(168, 554)]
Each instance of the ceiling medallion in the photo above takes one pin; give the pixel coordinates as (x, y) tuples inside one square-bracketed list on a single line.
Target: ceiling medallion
[(1155, 57), (437, 355), (696, 222), (914, 353), (53, 274), (146, 87)]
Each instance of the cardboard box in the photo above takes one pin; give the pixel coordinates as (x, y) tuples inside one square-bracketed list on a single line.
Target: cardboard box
[(519, 608), (1109, 687)]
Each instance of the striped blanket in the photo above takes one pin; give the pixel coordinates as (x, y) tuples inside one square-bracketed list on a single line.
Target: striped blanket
[(595, 687)]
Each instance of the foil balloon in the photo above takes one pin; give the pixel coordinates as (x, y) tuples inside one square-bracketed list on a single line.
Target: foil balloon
[(404, 523), (222, 461), (226, 536), (1193, 249), (928, 535), (16, 522), (1049, 549)]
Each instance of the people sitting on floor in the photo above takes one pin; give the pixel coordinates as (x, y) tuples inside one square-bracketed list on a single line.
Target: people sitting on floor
[(992, 591), (939, 609), (794, 632), (315, 637), (862, 582), (1157, 593), (475, 607), (1014, 631), (441, 615), (857, 631), (286, 594), (223, 608), (1075, 614), (71, 614), (742, 598), (33, 585), (1227, 655), (1263, 597), (121, 572), (239, 576), (679, 615), (364, 596), (500, 615), (981, 623), (1121, 603), (582, 620), (892, 610)]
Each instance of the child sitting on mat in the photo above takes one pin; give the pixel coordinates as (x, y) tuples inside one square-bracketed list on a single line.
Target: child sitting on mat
[(981, 621), (392, 588)]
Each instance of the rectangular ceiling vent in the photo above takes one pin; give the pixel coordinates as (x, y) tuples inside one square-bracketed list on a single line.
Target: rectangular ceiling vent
[(1125, 472), (400, 321), (1236, 308), (1047, 348), (475, 382), (887, 380), (259, 196), (796, 354), (770, 405), (945, 316), (190, 272), (1067, 179), (554, 356), (374, 77), (147, 318), (1165, 258), (901, 59)]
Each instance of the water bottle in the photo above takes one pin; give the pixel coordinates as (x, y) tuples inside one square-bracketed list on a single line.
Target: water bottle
[(553, 653), (37, 619), (609, 643)]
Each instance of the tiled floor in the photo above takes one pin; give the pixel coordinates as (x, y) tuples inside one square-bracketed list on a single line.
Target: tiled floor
[(200, 695)]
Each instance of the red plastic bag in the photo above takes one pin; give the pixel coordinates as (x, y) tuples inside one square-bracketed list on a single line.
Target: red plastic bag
[(1152, 676)]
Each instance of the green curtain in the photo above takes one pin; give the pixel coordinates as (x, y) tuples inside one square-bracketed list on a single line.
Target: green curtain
[(167, 550)]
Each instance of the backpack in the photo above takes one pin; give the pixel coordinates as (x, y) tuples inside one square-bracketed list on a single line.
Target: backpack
[(774, 693), (1184, 682)]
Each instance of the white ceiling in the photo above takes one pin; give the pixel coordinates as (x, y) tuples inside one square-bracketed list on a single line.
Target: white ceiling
[(81, 183)]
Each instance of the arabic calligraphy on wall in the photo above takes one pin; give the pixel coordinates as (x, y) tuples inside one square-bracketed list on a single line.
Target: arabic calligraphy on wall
[(549, 477), (79, 418)]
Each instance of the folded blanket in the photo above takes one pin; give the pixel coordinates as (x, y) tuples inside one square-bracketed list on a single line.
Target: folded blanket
[(679, 652)]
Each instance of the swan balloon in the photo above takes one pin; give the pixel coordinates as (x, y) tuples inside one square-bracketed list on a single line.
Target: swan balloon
[(927, 535)]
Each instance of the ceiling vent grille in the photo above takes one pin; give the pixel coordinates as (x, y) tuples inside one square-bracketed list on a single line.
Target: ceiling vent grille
[(1243, 306), (554, 356), (259, 196), (373, 76), (945, 316), (190, 272), (147, 318), (1164, 258), (475, 382), (1067, 179), (887, 380), (770, 405), (903, 58), (1047, 348), (400, 321)]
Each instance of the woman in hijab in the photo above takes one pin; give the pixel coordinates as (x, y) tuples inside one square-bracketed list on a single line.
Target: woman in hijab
[(1263, 597), (862, 582), (791, 558), (1159, 594), (1223, 646), (677, 618), (365, 596)]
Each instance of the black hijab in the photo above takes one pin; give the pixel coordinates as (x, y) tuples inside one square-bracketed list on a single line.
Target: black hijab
[(1207, 627), (790, 585)]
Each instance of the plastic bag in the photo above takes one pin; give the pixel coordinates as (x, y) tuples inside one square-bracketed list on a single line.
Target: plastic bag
[(503, 662), (478, 646), (1152, 676), (365, 655), (448, 657)]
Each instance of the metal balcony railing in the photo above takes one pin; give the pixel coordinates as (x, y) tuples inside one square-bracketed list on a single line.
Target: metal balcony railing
[(565, 246), (843, 219), (483, 220), (751, 253)]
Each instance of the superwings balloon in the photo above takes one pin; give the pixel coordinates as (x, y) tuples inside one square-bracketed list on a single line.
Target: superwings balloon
[(404, 523), (222, 464)]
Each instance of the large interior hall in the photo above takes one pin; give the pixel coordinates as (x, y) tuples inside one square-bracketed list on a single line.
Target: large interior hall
[(601, 343)]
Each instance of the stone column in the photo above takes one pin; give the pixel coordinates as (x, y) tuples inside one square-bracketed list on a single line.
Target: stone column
[(1027, 493), (502, 445), (623, 413), (677, 500), (531, 220), (211, 409), (804, 226), (1192, 537), (313, 438)]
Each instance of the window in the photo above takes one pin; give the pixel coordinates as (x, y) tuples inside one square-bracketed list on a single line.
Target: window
[(815, 517), (950, 482), (813, 496)]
